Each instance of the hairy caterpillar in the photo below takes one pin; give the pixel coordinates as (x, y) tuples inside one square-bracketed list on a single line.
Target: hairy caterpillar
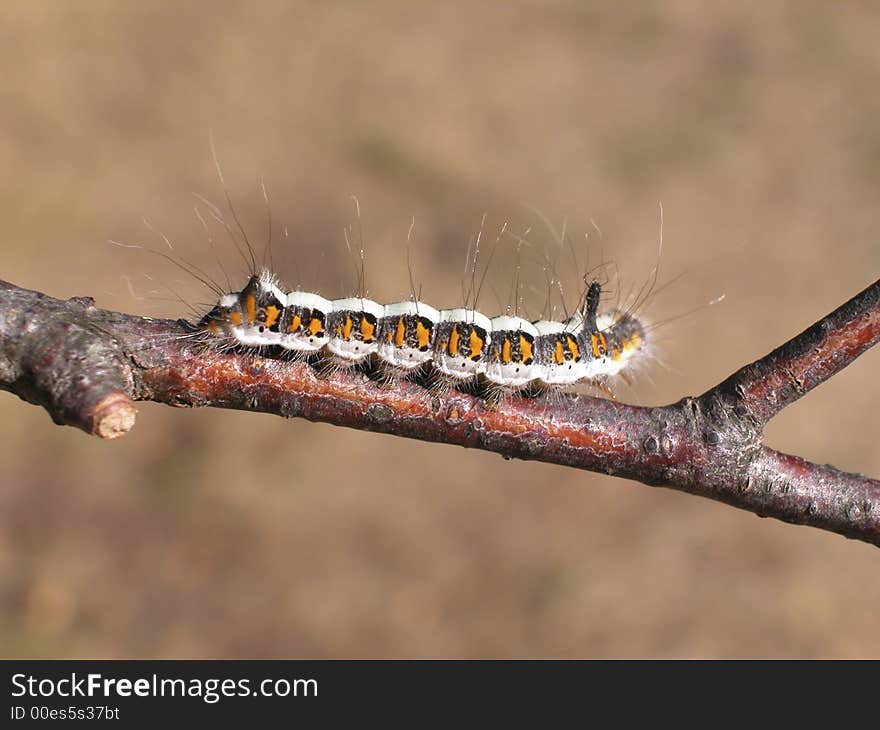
[(461, 345)]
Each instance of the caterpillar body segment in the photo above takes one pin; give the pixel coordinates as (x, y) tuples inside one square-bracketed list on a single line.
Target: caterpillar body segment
[(219, 321), (407, 331), (625, 337), (353, 325), (511, 359), (253, 316), (558, 354), (460, 345), (304, 324), (564, 350)]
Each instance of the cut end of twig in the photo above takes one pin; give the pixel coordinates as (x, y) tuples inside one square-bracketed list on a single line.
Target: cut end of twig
[(113, 417)]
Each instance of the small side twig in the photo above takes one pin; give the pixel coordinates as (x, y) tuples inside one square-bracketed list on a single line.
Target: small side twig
[(86, 366)]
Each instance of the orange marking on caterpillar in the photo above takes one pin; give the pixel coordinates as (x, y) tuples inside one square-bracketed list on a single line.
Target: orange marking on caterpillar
[(453, 341), (558, 354), (399, 333), (634, 342), (295, 323), (368, 329), (525, 350), (250, 303), (316, 326), (272, 314), (477, 344), (505, 351), (423, 336), (235, 318), (347, 327)]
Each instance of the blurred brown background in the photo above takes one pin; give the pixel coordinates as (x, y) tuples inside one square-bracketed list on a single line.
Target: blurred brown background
[(212, 533)]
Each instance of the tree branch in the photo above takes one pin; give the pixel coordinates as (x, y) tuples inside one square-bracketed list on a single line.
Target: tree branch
[(85, 366)]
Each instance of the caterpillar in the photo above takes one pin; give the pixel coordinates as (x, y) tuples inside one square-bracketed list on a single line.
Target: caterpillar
[(461, 346)]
